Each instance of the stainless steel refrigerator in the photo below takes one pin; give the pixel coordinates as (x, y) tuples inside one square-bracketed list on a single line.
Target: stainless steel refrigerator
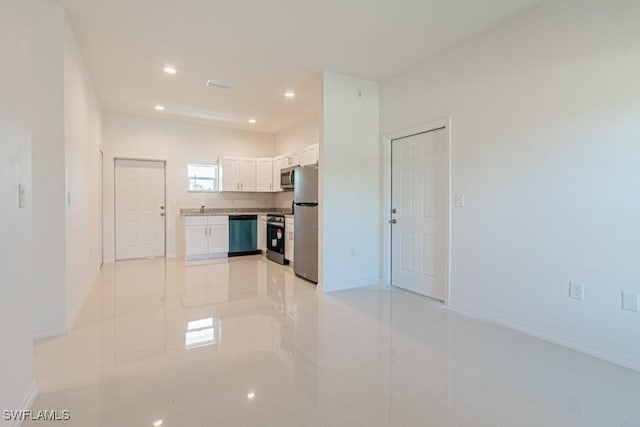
[(305, 201)]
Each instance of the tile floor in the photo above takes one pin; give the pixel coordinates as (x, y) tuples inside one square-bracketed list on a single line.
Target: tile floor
[(245, 343)]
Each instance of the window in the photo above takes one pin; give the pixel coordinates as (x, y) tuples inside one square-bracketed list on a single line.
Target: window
[(202, 177), (201, 332)]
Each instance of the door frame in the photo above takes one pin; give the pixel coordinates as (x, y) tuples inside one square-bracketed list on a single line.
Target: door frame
[(101, 157), (115, 198), (387, 162)]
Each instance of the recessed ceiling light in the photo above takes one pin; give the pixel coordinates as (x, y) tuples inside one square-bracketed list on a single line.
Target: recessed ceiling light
[(290, 94), (169, 70), (251, 395), (159, 107), (252, 121), (157, 423)]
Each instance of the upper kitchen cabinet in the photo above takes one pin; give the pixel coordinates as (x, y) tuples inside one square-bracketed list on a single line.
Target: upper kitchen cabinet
[(238, 174), (291, 160), (265, 175), (308, 155), (279, 162)]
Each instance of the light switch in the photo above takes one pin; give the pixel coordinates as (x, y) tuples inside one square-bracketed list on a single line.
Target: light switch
[(630, 301)]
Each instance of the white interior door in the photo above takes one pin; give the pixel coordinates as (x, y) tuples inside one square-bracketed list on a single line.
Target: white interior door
[(419, 197), (140, 209)]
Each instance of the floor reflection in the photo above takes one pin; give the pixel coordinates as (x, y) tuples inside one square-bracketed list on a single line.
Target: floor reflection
[(244, 342)]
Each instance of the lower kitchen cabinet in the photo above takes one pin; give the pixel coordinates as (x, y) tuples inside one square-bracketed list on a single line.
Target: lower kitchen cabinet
[(288, 243), (206, 237), (262, 233)]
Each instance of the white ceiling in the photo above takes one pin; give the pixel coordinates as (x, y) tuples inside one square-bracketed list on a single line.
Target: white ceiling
[(264, 46)]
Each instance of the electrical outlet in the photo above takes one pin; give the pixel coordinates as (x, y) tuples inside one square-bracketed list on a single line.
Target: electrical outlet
[(631, 301), (576, 291), (460, 200)]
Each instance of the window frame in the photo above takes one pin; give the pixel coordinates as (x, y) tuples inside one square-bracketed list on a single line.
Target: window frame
[(214, 179)]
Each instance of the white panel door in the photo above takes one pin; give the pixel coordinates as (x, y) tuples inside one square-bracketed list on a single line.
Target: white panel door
[(140, 209), (420, 186)]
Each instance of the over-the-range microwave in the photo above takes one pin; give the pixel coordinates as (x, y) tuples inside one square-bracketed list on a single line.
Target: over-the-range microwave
[(287, 178)]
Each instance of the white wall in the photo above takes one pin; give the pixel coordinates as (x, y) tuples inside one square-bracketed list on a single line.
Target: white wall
[(48, 157), (83, 139), (16, 354), (545, 135), (349, 183), (294, 138), (299, 135), (177, 143)]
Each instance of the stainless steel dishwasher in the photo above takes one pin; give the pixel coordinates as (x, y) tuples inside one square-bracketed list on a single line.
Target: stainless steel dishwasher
[(243, 235)]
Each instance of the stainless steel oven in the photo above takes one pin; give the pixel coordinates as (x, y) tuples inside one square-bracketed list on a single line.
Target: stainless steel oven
[(275, 239)]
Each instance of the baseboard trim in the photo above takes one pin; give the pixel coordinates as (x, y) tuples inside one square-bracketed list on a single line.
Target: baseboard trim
[(52, 331), (27, 401), (487, 316), (342, 286)]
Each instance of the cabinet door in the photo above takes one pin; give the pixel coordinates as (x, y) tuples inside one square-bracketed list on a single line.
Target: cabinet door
[(196, 240), (219, 238), (278, 163), (247, 174), (264, 174), (262, 233), (289, 239), (297, 158), (229, 178), (312, 154)]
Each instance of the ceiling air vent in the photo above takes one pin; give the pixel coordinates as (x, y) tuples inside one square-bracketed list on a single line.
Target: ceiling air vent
[(218, 83)]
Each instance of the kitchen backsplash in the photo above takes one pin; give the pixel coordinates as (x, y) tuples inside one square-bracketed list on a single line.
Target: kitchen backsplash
[(282, 200)]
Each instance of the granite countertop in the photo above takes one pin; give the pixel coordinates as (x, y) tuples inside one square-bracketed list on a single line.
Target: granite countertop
[(233, 211)]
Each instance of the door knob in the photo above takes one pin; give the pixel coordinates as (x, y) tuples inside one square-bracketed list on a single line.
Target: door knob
[(162, 214), (393, 221)]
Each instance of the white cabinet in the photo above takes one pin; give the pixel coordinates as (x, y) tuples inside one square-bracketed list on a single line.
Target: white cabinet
[(229, 174), (278, 163), (291, 160), (288, 242), (264, 170), (261, 174), (247, 174), (262, 233), (309, 155), (206, 237), (237, 174)]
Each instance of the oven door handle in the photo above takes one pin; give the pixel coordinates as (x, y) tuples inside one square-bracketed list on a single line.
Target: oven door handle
[(276, 224)]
